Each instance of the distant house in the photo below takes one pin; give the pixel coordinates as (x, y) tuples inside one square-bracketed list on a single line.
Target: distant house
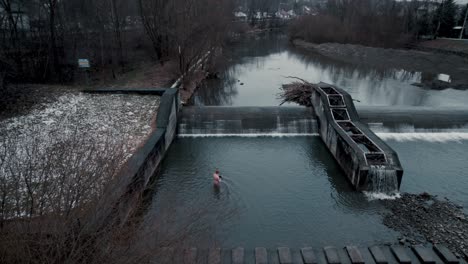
[(20, 17), (282, 14), (427, 8), (457, 29), (240, 16), (261, 15)]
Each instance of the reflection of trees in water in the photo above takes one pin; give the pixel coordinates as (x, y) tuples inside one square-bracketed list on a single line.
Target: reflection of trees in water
[(247, 55), (373, 85), (217, 92), (339, 69), (260, 45)]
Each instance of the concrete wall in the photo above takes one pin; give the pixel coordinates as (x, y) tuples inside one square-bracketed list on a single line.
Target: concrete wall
[(144, 163), (247, 120), (343, 133)]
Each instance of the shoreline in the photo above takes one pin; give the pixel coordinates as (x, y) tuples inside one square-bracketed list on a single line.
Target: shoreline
[(409, 60)]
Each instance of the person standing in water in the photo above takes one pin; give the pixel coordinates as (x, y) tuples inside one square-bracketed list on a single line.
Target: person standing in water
[(216, 178)]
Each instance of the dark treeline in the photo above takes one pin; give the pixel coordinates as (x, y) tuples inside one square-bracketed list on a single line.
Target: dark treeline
[(41, 40), (385, 23)]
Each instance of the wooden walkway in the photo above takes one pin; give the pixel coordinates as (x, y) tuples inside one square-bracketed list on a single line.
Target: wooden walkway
[(395, 254)]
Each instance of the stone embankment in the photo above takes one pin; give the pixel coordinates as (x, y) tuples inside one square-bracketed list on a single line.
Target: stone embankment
[(424, 218)]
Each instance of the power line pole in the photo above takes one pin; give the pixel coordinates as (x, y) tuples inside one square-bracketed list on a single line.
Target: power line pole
[(464, 23)]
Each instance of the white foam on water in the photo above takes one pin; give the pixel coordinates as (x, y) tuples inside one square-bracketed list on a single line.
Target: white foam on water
[(252, 135), (382, 180), (424, 136), (372, 196)]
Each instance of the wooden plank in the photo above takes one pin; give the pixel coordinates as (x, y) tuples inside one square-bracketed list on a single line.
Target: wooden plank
[(425, 255), (378, 255), (366, 255), (446, 255), (343, 255), (332, 255), (190, 256), (296, 256), (238, 255), (214, 256), (284, 255), (355, 255), (261, 255), (308, 255), (400, 254)]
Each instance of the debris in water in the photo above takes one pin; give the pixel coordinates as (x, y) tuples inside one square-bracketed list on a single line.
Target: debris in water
[(299, 92)]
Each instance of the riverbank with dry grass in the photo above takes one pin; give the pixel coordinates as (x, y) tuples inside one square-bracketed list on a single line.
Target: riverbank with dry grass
[(61, 152), (454, 46)]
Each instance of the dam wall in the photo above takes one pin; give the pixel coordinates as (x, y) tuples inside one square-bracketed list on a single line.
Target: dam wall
[(225, 120), (368, 162), (136, 173), (219, 120)]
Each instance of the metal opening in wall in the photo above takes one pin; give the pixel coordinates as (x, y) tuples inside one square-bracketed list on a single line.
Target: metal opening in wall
[(329, 90), (350, 128), (340, 114), (336, 101), (376, 158), (365, 143)]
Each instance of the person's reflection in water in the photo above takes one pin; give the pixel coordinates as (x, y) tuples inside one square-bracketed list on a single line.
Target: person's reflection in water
[(217, 183), (216, 191)]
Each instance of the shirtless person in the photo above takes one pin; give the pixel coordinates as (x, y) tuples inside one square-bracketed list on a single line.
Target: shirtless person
[(216, 177)]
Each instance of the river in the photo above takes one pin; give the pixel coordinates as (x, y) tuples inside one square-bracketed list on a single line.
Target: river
[(289, 190)]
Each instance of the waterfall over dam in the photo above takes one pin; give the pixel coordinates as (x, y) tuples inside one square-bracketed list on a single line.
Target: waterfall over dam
[(369, 163), (214, 120), (286, 120)]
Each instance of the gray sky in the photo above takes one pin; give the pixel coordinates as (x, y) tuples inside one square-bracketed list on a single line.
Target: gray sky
[(462, 1)]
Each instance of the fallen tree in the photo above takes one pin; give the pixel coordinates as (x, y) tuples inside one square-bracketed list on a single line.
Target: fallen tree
[(299, 92)]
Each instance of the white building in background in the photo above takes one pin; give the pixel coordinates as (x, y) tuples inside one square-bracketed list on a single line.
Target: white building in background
[(240, 16), (282, 14), (261, 15)]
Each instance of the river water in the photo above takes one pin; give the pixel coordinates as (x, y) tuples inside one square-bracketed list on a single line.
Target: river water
[(289, 190), (258, 66)]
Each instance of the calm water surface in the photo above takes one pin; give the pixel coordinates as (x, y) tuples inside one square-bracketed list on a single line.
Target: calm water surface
[(261, 63), (276, 191), (290, 191), (287, 191)]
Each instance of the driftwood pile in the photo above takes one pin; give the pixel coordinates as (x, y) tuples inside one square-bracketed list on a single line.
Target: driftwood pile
[(299, 92)]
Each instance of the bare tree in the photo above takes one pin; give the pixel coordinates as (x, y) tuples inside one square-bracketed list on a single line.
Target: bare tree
[(185, 28), (349, 21)]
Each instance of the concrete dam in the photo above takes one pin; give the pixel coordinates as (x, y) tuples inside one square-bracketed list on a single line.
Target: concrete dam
[(369, 163), (294, 120)]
